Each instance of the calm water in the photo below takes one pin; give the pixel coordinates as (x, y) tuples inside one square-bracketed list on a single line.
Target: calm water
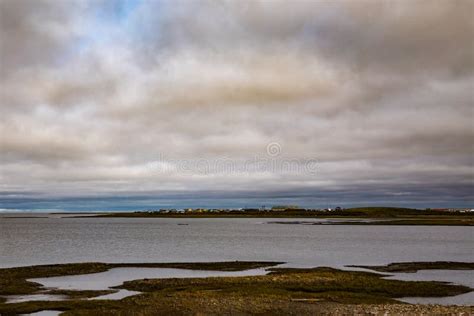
[(31, 241), (464, 277)]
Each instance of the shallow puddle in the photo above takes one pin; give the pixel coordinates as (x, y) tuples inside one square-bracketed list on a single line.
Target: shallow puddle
[(116, 276), (462, 277), (34, 297), (116, 296), (45, 313)]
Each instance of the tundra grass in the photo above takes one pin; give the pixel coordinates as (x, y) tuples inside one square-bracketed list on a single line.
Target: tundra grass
[(282, 291)]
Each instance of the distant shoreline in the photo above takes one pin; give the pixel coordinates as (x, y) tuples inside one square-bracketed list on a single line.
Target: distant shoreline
[(366, 216), (353, 216)]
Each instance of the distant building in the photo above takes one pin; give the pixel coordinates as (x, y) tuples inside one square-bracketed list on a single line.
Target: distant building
[(460, 210)]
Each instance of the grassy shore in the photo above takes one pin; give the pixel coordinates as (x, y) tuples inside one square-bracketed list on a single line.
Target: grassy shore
[(282, 291), (385, 215)]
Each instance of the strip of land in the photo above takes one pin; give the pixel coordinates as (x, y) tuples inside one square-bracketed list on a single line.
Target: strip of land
[(413, 221), (411, 267), (282, 291), (370, 216)]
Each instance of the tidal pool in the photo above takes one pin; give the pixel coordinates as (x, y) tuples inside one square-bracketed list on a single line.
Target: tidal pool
[(462, 277), (34, 297), (46, 313), (114, 277)]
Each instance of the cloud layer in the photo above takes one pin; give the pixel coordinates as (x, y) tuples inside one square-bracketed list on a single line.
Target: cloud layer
[(110, 99)]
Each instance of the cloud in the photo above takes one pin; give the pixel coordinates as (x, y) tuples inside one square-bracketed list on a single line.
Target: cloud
[(379, 92), (38, 32)]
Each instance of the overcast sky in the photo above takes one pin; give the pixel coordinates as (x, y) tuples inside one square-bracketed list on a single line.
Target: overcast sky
[(132, 104)]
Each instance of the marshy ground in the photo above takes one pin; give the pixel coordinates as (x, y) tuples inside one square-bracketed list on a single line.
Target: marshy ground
[(282, 291)]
